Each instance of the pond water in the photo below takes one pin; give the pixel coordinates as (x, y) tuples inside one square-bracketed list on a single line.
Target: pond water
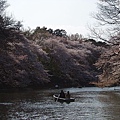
[(91, 103)]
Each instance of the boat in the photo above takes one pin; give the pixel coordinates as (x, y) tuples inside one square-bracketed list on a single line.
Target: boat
[(58, 99)]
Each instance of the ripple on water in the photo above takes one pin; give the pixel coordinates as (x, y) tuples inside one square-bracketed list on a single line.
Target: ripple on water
[(94, 104), (6, 103)]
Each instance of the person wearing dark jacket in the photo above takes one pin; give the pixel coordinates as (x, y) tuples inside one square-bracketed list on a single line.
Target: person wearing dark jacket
[(68, 95), (62, 94)]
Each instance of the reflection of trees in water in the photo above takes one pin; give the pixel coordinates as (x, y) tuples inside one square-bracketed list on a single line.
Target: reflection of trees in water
[(4, 109), (111, 103)]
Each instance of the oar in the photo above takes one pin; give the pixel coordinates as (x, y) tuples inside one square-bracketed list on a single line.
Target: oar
[(58, 98)]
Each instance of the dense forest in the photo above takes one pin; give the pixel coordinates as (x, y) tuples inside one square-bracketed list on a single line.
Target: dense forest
[(43, 57)]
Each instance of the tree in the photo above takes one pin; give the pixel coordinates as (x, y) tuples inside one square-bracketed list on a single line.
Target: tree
[(7, 22), (3, 6), (50, 31), (60, 32), (108, 17), (18, 25), (76, 37), (109, 12)]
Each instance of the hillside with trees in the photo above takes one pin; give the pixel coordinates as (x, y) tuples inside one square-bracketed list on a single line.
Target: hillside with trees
[(108, 18), (44, 57)]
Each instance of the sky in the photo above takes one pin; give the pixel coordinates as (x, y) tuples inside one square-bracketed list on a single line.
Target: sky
[(72, 15)]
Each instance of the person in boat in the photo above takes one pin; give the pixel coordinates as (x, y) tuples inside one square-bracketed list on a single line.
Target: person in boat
[(62, 94), (67, 95)]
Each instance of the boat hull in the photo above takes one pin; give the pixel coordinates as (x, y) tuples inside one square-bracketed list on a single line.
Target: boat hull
[(56, 97)]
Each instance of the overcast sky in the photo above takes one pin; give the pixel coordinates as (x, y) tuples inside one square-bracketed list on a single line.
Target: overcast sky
[(71, 15)]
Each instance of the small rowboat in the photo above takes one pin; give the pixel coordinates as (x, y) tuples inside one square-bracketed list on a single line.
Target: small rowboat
[(57, 98)]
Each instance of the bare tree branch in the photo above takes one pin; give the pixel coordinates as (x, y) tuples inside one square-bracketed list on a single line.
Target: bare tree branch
[(108, 17)]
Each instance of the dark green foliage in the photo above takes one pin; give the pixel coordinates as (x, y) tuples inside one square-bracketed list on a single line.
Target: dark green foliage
[(98, 43), (50, 31), (60, 32)]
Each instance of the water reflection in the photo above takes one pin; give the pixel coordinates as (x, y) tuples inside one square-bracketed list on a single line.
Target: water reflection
[(90, 104), (111, 104)]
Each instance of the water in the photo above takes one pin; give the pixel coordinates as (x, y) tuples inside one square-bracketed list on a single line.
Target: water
[(90, 104)]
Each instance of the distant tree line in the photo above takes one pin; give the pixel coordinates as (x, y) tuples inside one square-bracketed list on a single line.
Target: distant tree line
[(58, 32), (43, 33)]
